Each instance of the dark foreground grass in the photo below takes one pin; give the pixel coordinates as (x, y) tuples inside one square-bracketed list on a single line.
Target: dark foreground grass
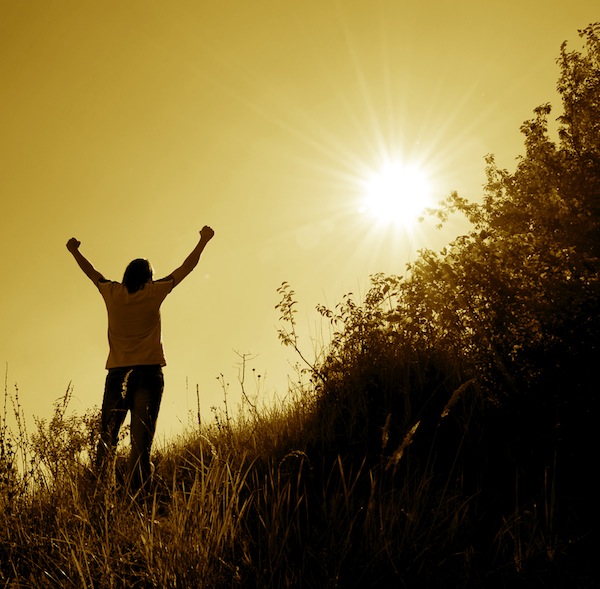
[(259, 502)]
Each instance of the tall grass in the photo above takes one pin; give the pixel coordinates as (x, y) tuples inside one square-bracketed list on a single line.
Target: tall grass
[(255, 500), (387, 466)]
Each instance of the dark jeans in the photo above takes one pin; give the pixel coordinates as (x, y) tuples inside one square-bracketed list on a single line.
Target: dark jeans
[(137, 389)]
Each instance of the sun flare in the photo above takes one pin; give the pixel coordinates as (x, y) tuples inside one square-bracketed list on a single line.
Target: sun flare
[(397, 194)]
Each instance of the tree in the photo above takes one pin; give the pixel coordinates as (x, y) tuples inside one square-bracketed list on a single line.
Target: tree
[(511, 306)]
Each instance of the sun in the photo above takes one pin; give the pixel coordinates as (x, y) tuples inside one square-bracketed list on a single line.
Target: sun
[(397, 194)]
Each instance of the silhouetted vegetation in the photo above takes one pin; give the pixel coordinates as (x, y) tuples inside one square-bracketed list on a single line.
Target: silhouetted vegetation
[(444, 437)]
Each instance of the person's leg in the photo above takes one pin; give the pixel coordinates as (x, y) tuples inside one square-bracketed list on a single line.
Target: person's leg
[(146, 393), (113, 414)]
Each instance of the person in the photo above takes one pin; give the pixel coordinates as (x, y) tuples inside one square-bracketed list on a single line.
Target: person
[(134, 381)]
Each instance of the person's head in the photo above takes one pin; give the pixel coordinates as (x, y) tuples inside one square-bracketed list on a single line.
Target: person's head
[(137, 274)]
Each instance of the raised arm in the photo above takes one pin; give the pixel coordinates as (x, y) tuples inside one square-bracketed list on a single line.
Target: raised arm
[(206, 234), (89, 270)]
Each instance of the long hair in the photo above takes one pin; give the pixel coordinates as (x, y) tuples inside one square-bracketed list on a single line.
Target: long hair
[(137, 274)]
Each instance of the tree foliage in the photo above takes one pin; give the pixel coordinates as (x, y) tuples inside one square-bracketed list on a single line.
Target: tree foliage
[(510, 308), (523, 283)]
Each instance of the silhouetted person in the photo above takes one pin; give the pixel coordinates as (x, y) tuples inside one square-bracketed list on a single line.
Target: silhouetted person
[(135, 380)]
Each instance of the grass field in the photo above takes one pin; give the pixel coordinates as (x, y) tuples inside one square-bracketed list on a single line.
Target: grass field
[(277, 496)]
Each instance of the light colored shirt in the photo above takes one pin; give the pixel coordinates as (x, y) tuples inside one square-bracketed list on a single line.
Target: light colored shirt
[(134, 330)]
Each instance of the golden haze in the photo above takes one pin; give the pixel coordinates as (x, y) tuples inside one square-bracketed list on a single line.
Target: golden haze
[(132, 124)]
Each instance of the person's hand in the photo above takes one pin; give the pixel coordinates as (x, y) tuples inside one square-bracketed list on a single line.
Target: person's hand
[(73, 244), (206, 233)]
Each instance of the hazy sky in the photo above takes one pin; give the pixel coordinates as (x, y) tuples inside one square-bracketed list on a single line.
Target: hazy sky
[(129, 125)]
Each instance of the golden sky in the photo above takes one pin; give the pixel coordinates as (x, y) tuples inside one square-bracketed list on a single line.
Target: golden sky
[(130, 125)]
